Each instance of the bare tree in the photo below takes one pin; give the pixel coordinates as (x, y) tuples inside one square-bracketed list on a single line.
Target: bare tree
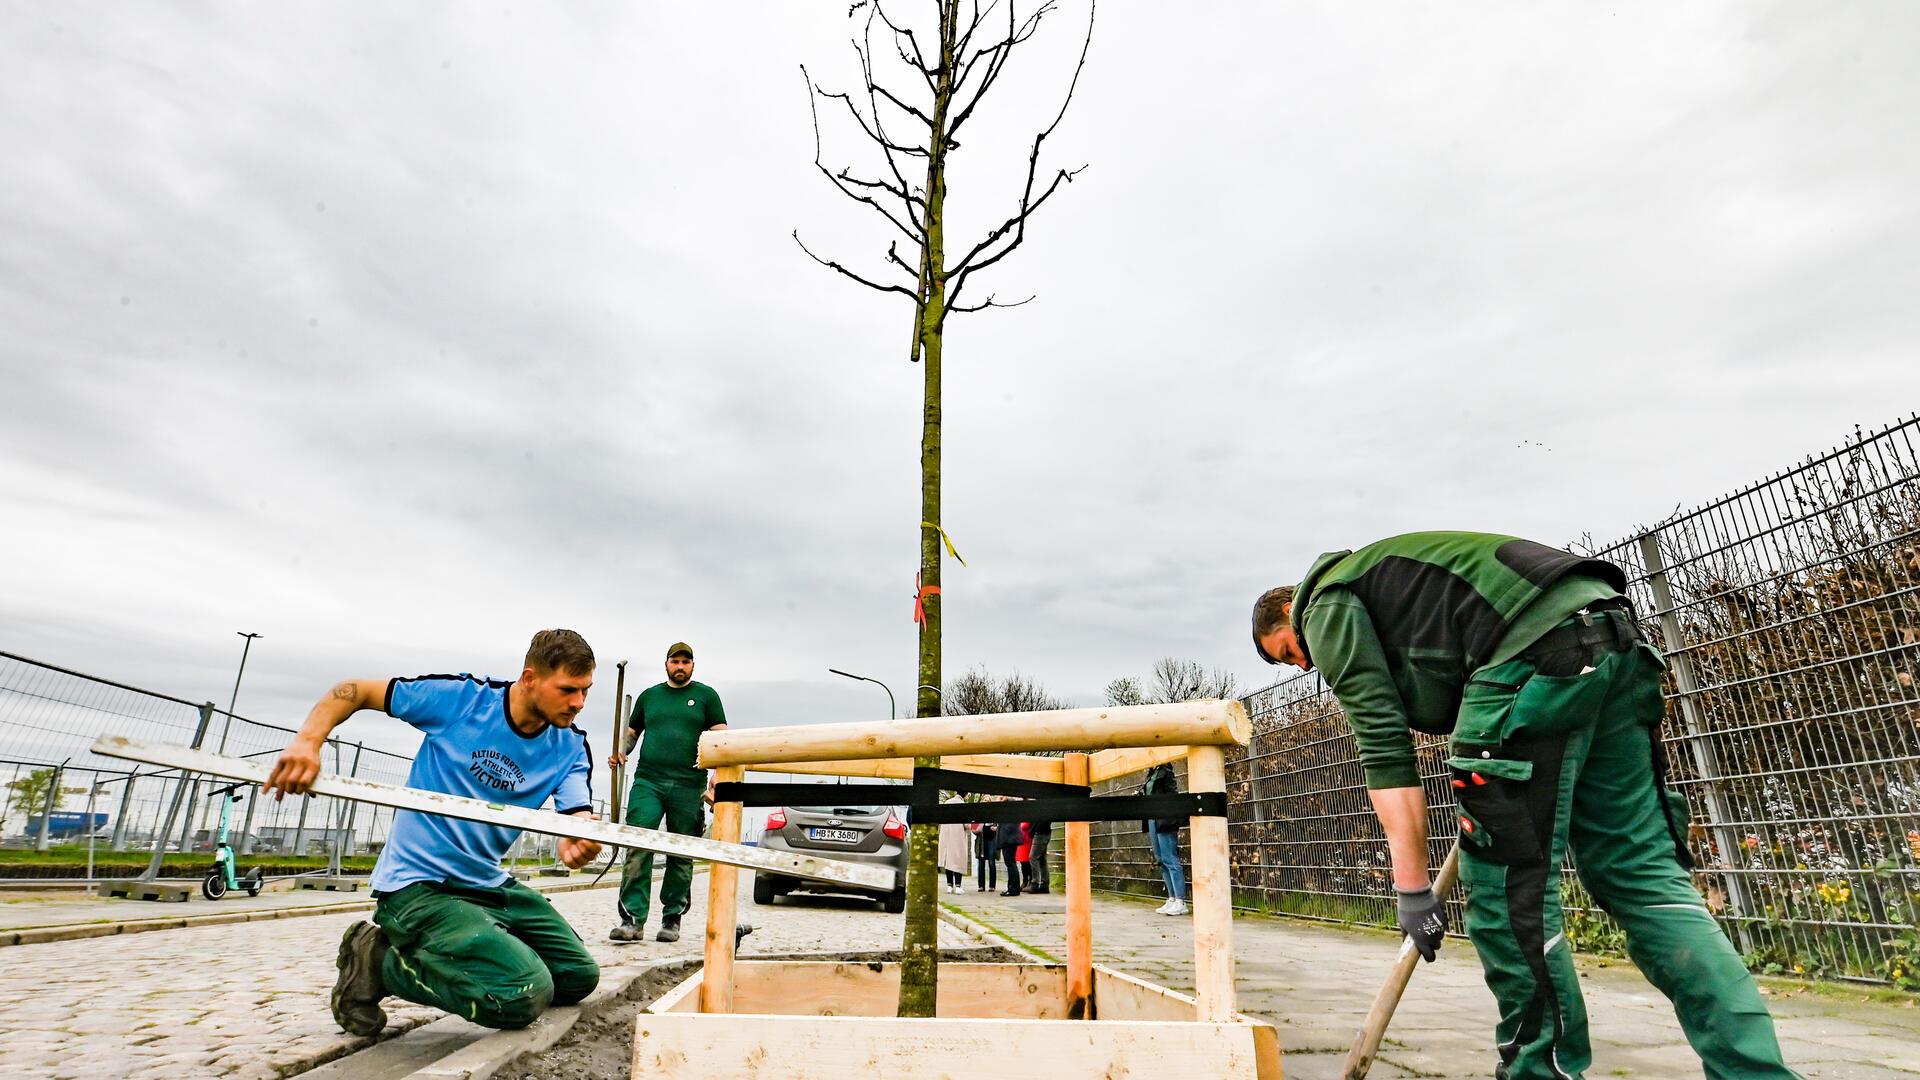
[(978, 693), (1186, 680), (1125, 691), (921, 82)]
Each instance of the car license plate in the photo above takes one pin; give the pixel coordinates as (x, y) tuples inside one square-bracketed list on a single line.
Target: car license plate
[(838, 836)]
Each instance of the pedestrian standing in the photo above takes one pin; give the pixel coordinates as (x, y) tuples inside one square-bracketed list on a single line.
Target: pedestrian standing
[(1023, 858), (1039, 833), (1164, 834), (1530, 658), (669, 784), (450, 928), (986, 863), (954, 844), (1006, 842)]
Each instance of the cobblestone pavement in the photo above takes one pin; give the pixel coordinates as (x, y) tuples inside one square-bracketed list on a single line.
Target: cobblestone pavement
[(1316, 982), (249, 1000)]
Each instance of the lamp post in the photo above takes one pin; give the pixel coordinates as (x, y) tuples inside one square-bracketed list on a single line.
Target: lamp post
[(235, 699), (892, 711), (246, 826)]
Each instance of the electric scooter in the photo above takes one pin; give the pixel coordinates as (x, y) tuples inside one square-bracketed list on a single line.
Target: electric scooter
[(221, 877)]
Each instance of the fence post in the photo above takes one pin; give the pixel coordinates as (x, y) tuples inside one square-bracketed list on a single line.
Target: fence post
[(179, 796), (1706, 760), (126, 811), (246, 823), (46, 812), (341, 836)]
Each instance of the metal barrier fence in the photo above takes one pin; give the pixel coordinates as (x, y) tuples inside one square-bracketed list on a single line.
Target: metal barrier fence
[(1790, 615), (54, 791)]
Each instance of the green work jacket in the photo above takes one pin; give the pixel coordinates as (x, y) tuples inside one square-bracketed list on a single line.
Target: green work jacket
[(1397, 627)]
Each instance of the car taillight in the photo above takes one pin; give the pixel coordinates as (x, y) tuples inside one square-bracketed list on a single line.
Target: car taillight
[(895, 828), (777, 819)]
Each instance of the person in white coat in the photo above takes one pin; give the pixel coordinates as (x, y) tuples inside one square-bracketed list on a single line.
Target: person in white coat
[(956, 852)]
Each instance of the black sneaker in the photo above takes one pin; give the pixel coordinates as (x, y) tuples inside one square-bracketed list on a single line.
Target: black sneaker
[(358, 990), (625, 934), (669, 929)]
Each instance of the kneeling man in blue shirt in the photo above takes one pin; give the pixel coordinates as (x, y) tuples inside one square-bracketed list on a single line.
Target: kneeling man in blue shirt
[(451, 928)]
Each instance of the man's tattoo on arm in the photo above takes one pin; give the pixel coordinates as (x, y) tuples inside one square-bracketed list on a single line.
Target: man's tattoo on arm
[(345, 691), (633, 740)]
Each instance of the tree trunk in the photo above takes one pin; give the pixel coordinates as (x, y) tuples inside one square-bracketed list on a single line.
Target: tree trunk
[(920, 943)]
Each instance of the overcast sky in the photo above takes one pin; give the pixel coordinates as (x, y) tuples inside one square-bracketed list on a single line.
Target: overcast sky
[(397, 332)]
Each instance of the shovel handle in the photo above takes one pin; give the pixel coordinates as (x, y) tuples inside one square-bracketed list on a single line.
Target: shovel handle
[(1366, 1043)]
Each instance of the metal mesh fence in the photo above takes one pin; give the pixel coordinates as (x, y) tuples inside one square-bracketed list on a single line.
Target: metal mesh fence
[(58, 793), (1790, 615)]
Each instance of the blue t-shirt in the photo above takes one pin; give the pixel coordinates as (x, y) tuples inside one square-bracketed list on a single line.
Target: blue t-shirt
[(472, 750)]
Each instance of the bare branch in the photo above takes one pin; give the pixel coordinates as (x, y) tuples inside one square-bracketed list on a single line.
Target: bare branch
[(983, 305), (842, 181), (831, 265), (977, 258)]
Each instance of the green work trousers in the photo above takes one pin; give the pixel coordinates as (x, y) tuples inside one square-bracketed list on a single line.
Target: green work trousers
[(497, 957), (1542, 762), (678, 801)]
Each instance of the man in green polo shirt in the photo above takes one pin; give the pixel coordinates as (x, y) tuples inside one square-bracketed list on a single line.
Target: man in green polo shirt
[(1529, 657), (667, 721)]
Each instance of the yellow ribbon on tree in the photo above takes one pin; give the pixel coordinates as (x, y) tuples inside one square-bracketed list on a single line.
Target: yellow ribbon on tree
[(947, 539)]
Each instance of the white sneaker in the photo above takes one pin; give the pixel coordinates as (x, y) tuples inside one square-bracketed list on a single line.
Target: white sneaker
[(1164, 909), (1176, 907)]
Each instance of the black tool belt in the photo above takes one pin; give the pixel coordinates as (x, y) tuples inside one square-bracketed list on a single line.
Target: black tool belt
[(1604, 626), (1030, 800)]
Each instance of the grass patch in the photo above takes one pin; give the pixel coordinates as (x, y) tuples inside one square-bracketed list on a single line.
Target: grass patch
[(1034, 949)]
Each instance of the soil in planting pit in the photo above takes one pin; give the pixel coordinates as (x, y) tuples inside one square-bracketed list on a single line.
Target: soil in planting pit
[(600, 1046)]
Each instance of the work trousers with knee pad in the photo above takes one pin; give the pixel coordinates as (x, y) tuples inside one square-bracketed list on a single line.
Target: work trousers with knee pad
[(1559, 751), (498, 957)]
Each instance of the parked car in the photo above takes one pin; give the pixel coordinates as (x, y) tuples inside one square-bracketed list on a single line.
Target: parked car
[(871, 835)]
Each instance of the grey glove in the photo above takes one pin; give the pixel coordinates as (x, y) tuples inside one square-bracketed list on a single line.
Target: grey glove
[(1423, 919)]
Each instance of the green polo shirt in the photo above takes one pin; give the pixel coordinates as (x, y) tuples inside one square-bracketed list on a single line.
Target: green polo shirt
[(670, 720)]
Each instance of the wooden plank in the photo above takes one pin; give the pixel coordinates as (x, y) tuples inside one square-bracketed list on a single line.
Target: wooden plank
[(847, 988), (537, 821), (723, 882), (1212, 892), (679, 1046), (1015, 765), (1110, 764), (1187, 723), (1124, 998), (684, 998), (1079, 860)]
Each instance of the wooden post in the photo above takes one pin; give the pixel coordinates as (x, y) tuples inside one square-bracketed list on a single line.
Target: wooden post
[(1079, 861), (1212, 893), (716, 977)]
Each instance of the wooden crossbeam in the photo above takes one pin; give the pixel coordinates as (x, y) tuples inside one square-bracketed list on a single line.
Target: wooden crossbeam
[(1109, 764), (1185, 723), (1016, 765), (519, 817)]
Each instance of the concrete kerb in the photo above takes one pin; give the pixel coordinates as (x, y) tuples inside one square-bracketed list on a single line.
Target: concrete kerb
[(987, 935), (45, 934)]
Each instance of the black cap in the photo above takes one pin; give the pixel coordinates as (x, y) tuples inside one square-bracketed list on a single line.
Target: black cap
[(679, 648)]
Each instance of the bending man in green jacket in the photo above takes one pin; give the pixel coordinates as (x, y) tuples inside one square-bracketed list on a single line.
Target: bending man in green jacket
[(1530, 658), (668, 783)]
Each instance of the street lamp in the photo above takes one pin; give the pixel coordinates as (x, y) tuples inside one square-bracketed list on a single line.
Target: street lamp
[(235, 699), (892, 710)]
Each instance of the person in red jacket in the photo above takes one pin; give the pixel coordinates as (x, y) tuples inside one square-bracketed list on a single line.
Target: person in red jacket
[(1024, 856)]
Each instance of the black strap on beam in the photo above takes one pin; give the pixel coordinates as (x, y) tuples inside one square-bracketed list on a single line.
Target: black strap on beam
[(1102, 808), (972, 783), (758, 794)]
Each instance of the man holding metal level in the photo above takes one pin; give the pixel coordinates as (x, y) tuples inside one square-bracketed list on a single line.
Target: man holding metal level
[(667, 783), (451, 928), (1530, 658)]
